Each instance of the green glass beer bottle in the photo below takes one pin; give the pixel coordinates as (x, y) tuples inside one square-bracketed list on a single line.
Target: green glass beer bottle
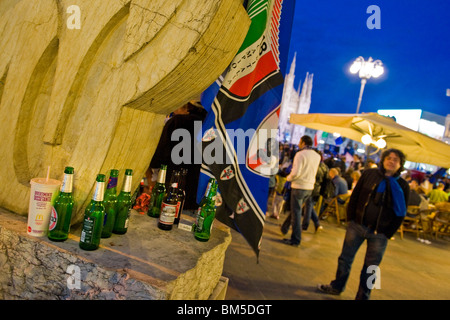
[(206, 217), (109, 201), (158, 194), (58, 229), (93, 217), (123, 205), (202, 202), (170, 205)]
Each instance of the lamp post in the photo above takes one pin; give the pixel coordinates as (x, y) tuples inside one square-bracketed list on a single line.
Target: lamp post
[(367, 69)]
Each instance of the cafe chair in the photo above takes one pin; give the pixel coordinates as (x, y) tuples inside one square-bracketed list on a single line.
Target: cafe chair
[(441, 223), (427, 217), (337, 208), (411, 222)]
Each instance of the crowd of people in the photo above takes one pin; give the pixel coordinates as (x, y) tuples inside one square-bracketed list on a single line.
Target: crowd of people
[(333, 168), (376, 196), (424, 188)]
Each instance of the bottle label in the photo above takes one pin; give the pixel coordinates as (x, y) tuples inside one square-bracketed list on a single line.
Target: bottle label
[(112, 182), (127, 184), (161, 176), (67, 183), (201, 219), (177, 213), (168, 213), (99, 191), (88, 230), (53, 219), (198, 214)]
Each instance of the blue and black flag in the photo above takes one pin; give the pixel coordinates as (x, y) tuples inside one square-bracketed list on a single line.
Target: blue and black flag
[(239, 140)]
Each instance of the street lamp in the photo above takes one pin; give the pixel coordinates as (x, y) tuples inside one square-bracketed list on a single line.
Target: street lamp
[(367, 69)]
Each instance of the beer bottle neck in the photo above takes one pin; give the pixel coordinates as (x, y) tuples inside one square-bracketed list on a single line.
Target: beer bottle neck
[(99, 191), (161, 176), (208, 189), (112, 183), (67, 183), (127, 184), (212, 193)]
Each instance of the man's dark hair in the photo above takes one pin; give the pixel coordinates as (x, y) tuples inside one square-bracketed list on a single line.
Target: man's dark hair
[(307, 140), (399, 153)]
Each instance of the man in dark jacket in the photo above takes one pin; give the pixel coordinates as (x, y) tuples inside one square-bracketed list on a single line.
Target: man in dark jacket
[(184, 118), (376, 210)]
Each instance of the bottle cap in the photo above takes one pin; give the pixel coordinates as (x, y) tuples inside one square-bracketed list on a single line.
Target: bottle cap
[(68, 170), (101, 178), (128, 172), (114, 173)]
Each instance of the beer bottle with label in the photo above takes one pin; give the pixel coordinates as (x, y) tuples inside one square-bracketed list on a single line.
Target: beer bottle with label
[(181, 194), (206, 217), (123, 206), (93, 217), (158, 193), (202, 201), (58, 229), (170, 205), (109, 201)]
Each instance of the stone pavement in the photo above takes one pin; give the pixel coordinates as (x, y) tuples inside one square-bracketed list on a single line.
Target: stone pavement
[(410, 270)]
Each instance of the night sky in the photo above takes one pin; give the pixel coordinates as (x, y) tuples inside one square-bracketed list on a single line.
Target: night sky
[(413, 44)]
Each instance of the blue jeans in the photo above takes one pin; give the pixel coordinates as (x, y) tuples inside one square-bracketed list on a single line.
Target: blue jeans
[(376, 246), (298, 196), (310, 213)]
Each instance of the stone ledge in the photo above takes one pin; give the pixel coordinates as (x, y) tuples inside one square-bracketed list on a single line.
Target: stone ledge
[(145, 263)]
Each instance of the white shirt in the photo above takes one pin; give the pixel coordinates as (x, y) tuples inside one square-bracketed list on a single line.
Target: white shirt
[(304, 169)]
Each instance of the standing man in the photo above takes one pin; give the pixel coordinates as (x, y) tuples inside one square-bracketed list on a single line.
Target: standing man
[(376, 210), (302, 178)]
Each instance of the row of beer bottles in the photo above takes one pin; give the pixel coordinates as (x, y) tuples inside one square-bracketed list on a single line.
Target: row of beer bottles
[(112, 213), (106, 213), (167, 205)]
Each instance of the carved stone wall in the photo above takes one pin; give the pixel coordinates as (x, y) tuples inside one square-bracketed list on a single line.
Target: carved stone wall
[(87, 83)]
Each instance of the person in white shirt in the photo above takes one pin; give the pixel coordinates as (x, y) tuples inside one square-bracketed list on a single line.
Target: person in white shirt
[(302, 178)]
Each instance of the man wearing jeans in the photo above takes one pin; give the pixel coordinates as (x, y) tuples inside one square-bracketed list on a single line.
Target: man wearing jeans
[(302, 178), (376, 210)]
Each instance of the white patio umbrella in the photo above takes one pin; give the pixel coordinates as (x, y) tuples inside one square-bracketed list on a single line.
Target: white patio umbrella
[(417, 147)]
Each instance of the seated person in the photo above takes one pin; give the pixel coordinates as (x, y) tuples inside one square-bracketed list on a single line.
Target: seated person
[(341, 188), (415, 197), (339, 182), (438, 194)]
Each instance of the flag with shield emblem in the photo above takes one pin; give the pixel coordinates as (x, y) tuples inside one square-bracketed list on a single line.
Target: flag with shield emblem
[(239, 142)]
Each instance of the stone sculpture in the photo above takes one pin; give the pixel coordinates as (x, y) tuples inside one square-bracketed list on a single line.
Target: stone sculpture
[(87, 83)]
